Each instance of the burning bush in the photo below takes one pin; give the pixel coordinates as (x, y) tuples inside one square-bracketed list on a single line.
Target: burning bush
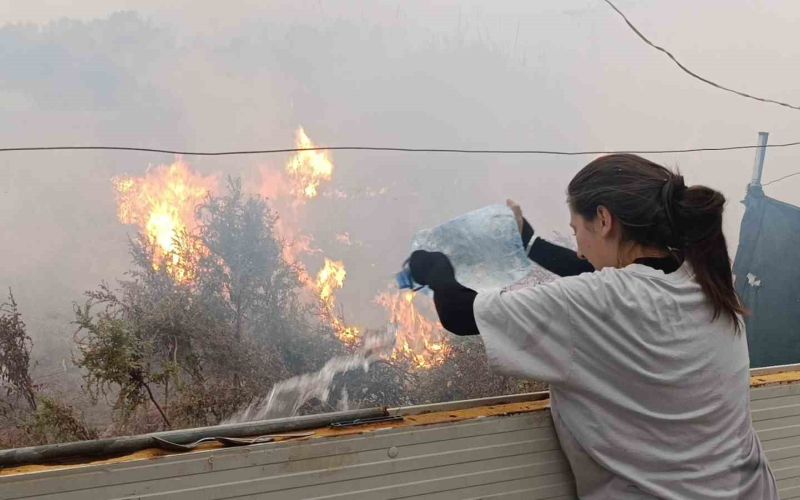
[(218, 306), (196, 349)]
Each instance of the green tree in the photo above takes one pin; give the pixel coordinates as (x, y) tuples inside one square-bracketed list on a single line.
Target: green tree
[(200, 346), (131, 346), (243, 274)]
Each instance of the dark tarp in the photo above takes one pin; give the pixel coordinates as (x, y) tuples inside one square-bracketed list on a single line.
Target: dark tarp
[(767, 270)]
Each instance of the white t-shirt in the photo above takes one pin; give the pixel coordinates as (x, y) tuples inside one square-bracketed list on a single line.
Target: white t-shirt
[(650, 397)]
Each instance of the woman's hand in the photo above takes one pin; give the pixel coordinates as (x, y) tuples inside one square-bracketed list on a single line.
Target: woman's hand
[(517, 213), (525, 229)]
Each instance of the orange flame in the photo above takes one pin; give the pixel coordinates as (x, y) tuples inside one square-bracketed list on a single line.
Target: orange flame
[(329, 279), (304, 174), (308, 168), (162, 204), (419, 340), (288, 190)]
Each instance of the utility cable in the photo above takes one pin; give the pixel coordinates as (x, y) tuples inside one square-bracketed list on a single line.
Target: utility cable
[(692, 73), (395, 149), (773, 181)]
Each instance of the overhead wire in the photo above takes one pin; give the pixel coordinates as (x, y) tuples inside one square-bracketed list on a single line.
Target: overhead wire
[(397, 149), (692, 73), (458, 150), (773, 181)]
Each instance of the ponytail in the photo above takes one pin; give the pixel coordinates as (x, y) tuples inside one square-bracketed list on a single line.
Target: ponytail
[(697, 213)]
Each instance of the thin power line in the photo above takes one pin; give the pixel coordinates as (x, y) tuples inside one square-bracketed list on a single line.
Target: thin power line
[(397, 149), (692, 73), (773, 181)]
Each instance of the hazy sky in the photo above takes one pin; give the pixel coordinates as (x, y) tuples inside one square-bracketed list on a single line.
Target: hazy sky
[(509, 74)]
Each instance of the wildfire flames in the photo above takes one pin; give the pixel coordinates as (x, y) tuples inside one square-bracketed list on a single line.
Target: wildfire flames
[(418, 339), (305, 172), (329, 279), (308, 168), (162, 204)]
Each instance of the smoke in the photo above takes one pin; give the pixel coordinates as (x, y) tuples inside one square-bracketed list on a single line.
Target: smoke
[(445, 73)]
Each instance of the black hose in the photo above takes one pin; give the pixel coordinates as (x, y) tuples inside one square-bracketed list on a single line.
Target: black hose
[(130, 444)]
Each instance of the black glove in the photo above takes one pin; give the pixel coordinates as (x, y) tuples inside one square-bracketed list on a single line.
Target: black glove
[(527, 232), (432, 269)]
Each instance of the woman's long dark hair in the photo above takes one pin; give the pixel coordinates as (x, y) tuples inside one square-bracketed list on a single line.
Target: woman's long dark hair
[(656, 209)]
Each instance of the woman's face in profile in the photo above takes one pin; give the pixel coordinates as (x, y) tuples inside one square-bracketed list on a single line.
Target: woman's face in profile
[(595, 239)]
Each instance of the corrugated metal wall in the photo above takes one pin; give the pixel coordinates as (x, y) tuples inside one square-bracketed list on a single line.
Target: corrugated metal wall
[(776, 416), (498, 457)]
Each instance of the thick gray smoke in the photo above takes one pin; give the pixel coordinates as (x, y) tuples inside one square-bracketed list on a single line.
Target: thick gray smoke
[(564, 75)]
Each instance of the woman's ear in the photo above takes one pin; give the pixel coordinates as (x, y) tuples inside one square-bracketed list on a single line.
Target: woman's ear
[(605, 221)]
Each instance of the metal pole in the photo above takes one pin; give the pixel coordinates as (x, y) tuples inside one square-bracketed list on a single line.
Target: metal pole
[(758, 166)]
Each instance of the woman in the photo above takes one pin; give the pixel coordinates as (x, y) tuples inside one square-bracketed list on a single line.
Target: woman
[(646, 358)]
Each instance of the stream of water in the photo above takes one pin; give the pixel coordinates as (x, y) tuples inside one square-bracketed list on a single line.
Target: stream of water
[(288, 396)]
